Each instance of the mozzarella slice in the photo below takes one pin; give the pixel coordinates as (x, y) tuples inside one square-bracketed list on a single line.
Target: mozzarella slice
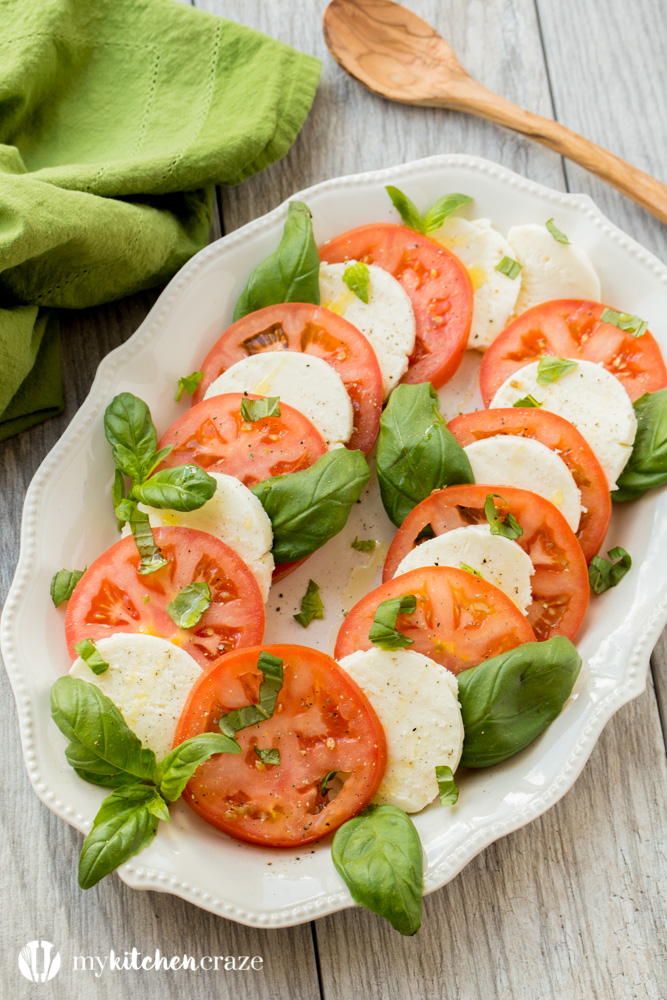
[(148, 681), (416, 701), (592, 399), (480, 248), (387, 319), (236, 517), (303, 381), (550, 270), (508, 460), (499, 560)]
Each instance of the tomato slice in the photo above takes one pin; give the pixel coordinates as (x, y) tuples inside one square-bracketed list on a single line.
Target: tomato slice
[(298, 326), (436, 281), (214, 435), (112, 596), (562, 437), (322, 722), (560, 584), (572, 328), (460, 620)]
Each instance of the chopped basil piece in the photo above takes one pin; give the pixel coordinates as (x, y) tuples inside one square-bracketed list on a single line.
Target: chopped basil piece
[(190, 604), (625, 321), (447, 787), (383, 631), (357, 277), (189, 384), (268, 756), (151, 558), (556, 233), (606, 573), (527, 401), (508, 526), (469, 569), (272, 671), (510, 268), (311, 605), (88, 651), (426, 532), (363, 544), (549, 369), (324, 783), (256, 409), (64, 582)]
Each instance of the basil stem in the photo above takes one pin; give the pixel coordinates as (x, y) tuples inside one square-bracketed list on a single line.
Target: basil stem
[(272, 672), (384, 633)]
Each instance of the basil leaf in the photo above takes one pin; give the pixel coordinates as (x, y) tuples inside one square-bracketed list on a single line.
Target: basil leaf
[(425, 533), (507, 526), (606, 573), (272, 671), (469, 569), (647, 466), (63, 584), (442, 209), (159, 808), (549, 369), (378, 854), (406, 208), (311, 605), (363, 544), (157, 458), (291, 273), (383, 631), (87, 717), (357, 277), (555, 232), (511, 268), (507, 701), (447, 787), (151, 559), (124, 825), (184, 487), (130, 432), (527, 401), (308, 508), (625, 321), (324, 783), (416, 453), (175, 770), (92, 768), (256, 409), (268, 756), (88, 651), (189, 384), (190, 604)]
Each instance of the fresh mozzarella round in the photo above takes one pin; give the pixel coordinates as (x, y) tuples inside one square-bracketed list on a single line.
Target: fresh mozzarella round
[(592, 399), (510, 460), (148, 681), (480, 248), (304, 381), (236, 517), (550, 270), (499, 560), (387, 320), (416, 701)]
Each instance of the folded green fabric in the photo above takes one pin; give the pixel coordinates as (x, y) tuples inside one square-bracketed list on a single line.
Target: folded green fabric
[(116, 119)]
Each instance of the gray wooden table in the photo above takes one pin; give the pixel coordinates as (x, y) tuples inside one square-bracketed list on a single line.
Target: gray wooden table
[(570, 907)]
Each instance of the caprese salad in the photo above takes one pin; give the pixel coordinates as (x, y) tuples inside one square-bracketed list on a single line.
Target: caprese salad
[(463, 654)]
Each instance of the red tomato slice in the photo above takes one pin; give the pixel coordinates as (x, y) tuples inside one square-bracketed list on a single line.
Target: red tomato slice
[(322, 722), (436, 281), (298, 326), (460, 620), (572, 328), (560, 584), (112, 596), (214, 435), (558, 434)]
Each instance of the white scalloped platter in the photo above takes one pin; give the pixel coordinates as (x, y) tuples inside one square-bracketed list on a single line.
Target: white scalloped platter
[(67, 521)]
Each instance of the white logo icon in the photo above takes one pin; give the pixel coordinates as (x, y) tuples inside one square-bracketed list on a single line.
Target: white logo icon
[(36, 963)]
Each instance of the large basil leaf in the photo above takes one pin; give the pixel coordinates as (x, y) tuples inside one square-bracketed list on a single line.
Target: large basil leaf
[(130, 432), (184, 487), (125, 823), (291, 273), (308, 508), (378, 854), (173, 773), (647, 465), (416, 453), (507, 701)]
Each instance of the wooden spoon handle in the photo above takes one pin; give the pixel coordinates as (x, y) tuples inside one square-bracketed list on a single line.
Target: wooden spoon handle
[(648, 192)]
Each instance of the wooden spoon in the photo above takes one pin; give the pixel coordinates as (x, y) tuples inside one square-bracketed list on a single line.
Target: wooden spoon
[(399, 56)]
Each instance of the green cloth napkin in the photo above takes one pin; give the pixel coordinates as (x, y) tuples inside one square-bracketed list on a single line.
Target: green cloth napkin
[(116, 119)]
